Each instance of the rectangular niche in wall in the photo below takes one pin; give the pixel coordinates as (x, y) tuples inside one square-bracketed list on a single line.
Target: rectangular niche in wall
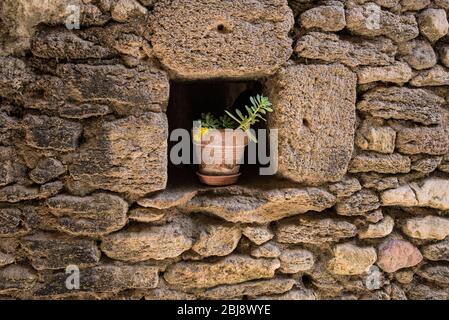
[(188, 99)]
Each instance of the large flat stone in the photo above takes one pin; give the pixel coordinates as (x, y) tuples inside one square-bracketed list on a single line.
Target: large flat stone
[(230, 270), (127, 155), (314, 111), (94, 215), (249, 204), (198, 39)]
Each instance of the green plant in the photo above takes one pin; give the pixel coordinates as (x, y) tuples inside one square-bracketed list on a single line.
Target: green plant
[(260, 106)]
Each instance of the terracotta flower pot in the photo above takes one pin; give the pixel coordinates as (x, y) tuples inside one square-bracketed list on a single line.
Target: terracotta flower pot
[(221, 152)]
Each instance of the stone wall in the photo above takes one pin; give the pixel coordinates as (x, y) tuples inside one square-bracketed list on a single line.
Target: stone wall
[(359, 208)]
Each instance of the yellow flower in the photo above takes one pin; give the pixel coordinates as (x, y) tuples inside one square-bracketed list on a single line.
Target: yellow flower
[(199, 134)]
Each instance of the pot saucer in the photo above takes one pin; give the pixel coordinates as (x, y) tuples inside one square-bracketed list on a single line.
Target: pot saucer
[(218, 180)]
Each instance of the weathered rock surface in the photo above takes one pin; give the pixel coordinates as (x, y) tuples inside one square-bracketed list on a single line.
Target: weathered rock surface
[(435, 273), (124, 10), (83, 111), (372, 135), (444, 165), (357, 204), (229, 270), (316, 128), (296, 260), (200, 40), (217, 238), (12, 222), (351, 260), (54, 251), (46, 170), (267, 250), (168, 198), (142, 242), (94, 215), (249, 204), (250, 288), (430, 192), (314, 231), (126, 155), (399, 73), (399, 28), (104, 278), (394, 254), (129, 90), (6, 259), (379, 182), (16, 193), (147, 214), (53, 133), (403, 104), (332, 48), (433, 24), (426, 164), (258, 234), (436, 76), (346, 187), (378, 230), (326, 18), (381, 163), (428, 227), (16, 278), (418, 53), (436, 251), (428, 140)]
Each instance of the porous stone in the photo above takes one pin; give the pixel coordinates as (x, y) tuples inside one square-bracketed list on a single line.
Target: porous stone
[(144, 242), (351, 260), (94, 215), (65, 44), (436, 76), (250, 288), (12, 222), (346, 187), (123, 10), (103, 278), (16, 278), (11, 168), (425, 164), (16, 193), (315, 112), (200, 40), (414, 5), (266, 250), (381, 163), (313, 230), (232, 269), (438, 251), (435, 273), (426, 292), (14, 76), (129, 90), (418, 53), (442, 4), (378, 182), (357, 204), (394, 254), (326, 18), (258, 234), (433, 24), (399, 73), (217, 238), (252, 205), (46, 170), (295, 294), (417, 105), (331, 48), (296, 260), (444, 165), (168, 198), (430, 192), (6, 259), (55, 251), (126, 155), (147, 214), (428, 140), (83, 111), (378, 230), (374, 216), (51, 133), (370, 20), (444, 54), (428, 227), (373, 136)]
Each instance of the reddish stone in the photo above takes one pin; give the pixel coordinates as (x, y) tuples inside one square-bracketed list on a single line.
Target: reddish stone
[(395, 254)]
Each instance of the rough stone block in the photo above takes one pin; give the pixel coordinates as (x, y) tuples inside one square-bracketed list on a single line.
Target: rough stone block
[(350, 259), (381, 163), (314, 110), (198, 39)]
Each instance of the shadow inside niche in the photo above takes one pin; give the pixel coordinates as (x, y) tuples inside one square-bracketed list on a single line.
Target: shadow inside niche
[(188, 100)]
